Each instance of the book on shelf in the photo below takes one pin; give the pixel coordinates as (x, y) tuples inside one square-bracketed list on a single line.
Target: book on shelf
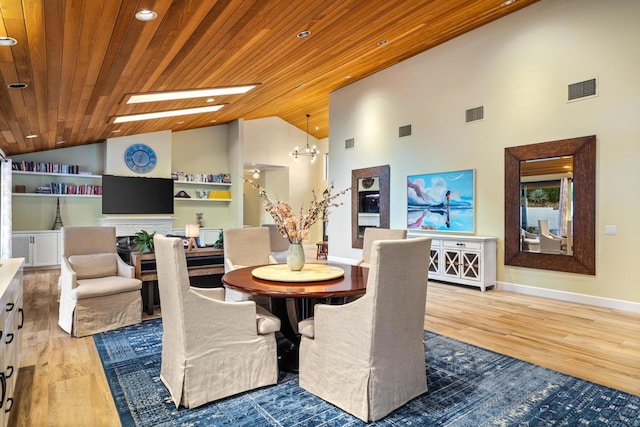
[(45, 167), (221, 178)]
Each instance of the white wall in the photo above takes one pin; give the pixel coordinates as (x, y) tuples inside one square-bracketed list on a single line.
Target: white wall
[(269, 141), (160, 142), (202, 150), (518, 68)]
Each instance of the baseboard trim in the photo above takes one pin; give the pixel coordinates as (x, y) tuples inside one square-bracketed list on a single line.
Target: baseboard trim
[(341, 260), (615, 304)]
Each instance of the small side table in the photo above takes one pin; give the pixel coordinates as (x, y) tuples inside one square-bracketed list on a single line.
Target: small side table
[(323, 250)]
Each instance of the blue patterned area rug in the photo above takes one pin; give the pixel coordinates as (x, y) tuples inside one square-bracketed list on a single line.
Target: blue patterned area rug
[(468, 386)]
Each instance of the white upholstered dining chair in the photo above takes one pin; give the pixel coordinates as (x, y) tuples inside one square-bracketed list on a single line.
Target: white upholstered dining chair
[(246, 247), (371, 234), (211, 348), (367, 356), (98, 290)]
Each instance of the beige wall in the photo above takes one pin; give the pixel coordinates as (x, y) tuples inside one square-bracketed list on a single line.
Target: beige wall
[(214, 149), (518, 68), (269, 141)]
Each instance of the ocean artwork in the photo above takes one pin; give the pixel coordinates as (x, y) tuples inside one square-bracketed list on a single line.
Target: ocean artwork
[(441, 201)]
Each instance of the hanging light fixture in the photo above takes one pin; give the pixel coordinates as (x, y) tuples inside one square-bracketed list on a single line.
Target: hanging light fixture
[(307, 150), (256, 174)]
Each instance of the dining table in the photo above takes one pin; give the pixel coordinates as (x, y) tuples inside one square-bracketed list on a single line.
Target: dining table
[(329, 283)]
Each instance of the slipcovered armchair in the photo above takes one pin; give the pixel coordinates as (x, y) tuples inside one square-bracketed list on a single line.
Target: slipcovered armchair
[(279, 244), (367, 356), (98, 291), (211, 348), (372, 234), (245, 247)]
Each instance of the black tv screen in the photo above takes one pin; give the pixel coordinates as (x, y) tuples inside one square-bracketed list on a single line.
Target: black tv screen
[(136, 195)]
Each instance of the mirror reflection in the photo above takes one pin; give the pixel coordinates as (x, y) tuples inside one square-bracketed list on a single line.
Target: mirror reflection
[(369, 201), (546, 205), (577, 251), (368, 204)]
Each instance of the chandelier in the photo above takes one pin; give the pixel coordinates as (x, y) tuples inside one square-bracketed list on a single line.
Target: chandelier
[(307, 150)]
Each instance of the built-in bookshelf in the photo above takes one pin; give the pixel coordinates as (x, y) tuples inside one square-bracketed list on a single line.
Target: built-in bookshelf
[(56, 184), (201, 187)]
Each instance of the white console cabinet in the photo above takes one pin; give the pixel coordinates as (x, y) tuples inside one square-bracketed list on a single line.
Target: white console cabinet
[(468, 260), (38, 248), (11, 323)]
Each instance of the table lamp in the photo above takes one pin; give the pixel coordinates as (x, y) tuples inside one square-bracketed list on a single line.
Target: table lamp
[(192, 231)]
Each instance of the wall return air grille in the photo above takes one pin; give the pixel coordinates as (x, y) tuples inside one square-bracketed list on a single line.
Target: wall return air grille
[(349, 143), (585, 89), (474, 114)]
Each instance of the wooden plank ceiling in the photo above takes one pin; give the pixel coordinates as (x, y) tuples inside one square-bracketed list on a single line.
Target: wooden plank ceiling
[(81, 58)]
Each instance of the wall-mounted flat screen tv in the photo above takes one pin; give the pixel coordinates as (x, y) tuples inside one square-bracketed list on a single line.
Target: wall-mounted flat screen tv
[(136, 195)]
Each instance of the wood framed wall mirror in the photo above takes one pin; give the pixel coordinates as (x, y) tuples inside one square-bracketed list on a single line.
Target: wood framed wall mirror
[(550, 205), (369, 201)]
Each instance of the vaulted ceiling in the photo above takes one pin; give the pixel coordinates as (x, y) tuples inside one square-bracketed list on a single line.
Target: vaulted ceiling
[(80, 59)]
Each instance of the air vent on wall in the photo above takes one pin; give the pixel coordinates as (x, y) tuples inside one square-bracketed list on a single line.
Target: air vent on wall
[(583, 89), (349, 143), (404, 130), (473, 114)]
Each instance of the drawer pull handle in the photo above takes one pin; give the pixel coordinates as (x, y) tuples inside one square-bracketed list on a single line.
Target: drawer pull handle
[(10, 306), (9, 339), (21, 324), (3, 380), (10, 369), (10, 403)]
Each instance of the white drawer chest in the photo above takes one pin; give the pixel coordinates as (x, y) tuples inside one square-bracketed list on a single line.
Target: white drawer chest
[(468, 260), (11, 323)]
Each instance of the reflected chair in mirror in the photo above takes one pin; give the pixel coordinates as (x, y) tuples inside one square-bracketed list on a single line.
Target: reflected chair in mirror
[(367, 357), (98, 290), (211, 348), (279, 244), (245, 247), (530, 241), (372, 234), (549, 242)]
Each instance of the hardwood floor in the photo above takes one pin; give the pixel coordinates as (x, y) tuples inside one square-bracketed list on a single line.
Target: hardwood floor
[(61, 381)]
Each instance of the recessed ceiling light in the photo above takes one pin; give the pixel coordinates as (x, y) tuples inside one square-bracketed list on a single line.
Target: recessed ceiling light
[(211, 99), (116, 131), (60, 142), (188, 94), (31, 136), (303, 34), (508, 2), (17, 85), (165, 114), (8, 41), (180, 122), (382, 42), (146, 15)]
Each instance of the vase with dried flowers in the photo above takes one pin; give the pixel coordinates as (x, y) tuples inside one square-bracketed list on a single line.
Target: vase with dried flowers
[(295, 228)]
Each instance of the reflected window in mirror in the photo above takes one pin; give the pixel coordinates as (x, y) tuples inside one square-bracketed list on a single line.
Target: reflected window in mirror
[(369, 201), (531, 177)]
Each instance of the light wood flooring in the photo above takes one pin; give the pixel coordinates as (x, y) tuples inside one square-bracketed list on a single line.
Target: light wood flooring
[(61, 381)]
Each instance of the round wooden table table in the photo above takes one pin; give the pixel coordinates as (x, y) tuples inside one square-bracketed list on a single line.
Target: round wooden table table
[(306, 294)]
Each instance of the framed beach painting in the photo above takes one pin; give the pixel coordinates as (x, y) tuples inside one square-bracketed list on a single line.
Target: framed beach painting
[(441, 201)]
